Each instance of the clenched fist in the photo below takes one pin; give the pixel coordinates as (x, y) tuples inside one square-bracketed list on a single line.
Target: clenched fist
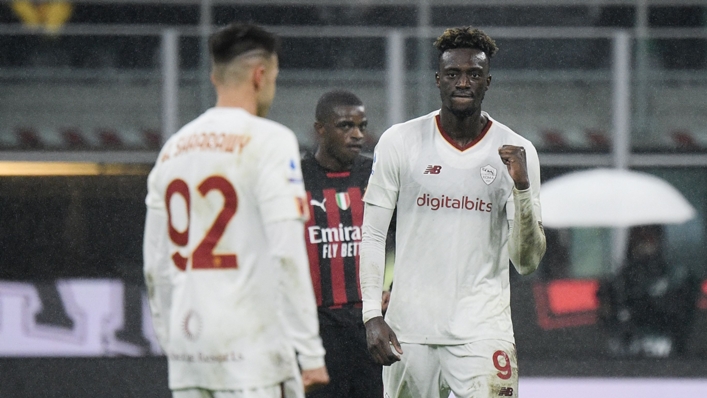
[(514, 159)]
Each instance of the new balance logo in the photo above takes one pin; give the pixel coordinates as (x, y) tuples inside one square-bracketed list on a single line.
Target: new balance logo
[(505, 392), (432, 169)]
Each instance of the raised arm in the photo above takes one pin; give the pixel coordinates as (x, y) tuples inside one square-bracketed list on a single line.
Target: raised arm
[(526, 243)]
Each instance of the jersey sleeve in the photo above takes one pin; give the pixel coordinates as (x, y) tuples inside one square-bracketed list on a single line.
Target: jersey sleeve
[(279, 186), (384, 183), (156, 262), (533, 164), (154, 200), (286, 239), (376, 221), (526, 242)]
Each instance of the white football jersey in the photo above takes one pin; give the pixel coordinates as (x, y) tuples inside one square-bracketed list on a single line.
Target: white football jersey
[(218, 181), (453, 205)]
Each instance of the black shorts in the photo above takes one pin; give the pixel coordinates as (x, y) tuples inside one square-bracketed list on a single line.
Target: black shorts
[(351, 368)]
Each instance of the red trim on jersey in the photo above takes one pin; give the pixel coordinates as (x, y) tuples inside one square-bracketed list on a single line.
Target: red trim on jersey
[(338, 306), (313, 254), (357, 220), (338, 279), (338, 174), (453, 143)]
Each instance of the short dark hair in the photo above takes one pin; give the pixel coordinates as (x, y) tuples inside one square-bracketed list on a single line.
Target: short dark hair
[(238, 38), (466, 37), (332, 99)]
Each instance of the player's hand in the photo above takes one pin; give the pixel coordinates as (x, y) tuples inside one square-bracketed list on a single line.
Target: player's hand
[(385, 301), (514, 159), (380, 337), (314, 379)]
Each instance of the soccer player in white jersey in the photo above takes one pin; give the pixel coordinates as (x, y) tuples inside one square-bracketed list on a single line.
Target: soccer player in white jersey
[(225, 259), (467, 191)]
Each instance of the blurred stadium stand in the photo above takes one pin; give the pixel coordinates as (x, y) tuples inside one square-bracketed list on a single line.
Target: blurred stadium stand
[(552, 51)]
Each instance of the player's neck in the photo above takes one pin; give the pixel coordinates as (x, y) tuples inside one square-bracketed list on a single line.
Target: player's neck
[(462, 129), (237, 97), (329, 162)]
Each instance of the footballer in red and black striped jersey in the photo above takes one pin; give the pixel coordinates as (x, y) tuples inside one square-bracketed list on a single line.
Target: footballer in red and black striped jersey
[(335, 179), (333, 232)]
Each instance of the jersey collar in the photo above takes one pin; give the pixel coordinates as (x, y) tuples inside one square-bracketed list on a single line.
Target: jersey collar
[(453, 143)]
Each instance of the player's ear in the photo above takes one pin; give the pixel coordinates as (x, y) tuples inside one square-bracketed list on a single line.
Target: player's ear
[(216, 80), (319, 128), (257, 76), (437, 78), (488, 82)]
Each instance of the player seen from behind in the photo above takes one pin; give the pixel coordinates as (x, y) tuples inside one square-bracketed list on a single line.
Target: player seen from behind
[(225, 260)]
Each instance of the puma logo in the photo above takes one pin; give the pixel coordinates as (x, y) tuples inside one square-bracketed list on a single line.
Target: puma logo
[(319, 204)]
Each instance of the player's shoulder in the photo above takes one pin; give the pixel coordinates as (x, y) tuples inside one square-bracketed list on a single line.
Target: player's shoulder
[(251, 124), (363, 165), (188, 128), (410, 129), (364, 161), (270, 137), (170, 143), (234, 120), (271, 126), (309, 163)]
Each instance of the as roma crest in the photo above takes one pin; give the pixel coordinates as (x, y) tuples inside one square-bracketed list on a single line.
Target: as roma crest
[(488, 174)]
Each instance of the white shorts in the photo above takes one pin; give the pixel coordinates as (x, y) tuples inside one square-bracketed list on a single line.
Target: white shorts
[(482, 369)]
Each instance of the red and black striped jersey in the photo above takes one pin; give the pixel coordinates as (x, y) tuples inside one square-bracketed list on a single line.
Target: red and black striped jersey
[(333, 232)]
